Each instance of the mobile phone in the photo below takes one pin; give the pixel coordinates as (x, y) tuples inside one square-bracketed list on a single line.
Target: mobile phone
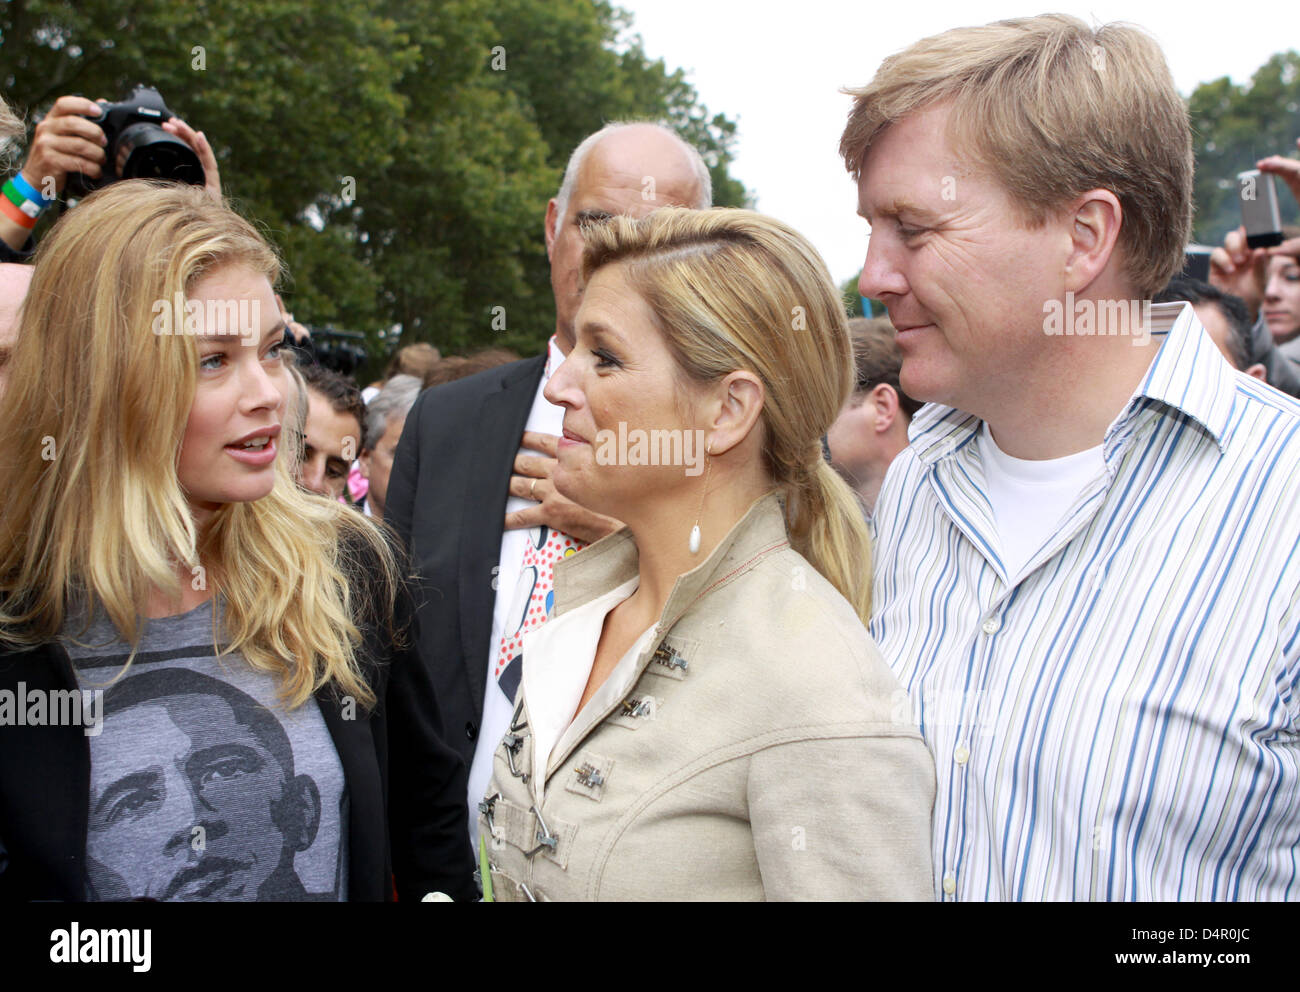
[(1258, 194), (1196, 262)]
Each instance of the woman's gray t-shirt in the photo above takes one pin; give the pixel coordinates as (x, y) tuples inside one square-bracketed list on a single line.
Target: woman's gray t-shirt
[(202, 786)]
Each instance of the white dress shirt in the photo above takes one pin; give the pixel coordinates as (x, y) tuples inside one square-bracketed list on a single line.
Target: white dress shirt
[(547, 419)]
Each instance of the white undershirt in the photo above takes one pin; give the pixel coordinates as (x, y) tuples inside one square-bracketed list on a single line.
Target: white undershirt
[(497, 710), (558, 659), (1031, 498)]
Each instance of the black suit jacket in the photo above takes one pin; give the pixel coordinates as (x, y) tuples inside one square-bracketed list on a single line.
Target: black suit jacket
[(416, 832), (447, 500)]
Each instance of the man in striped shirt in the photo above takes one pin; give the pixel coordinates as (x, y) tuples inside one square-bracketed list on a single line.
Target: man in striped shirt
[(1086, 561)]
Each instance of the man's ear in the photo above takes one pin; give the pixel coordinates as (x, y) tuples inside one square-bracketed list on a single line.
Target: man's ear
[(739, 402), (552, 218), (297, 812), (884, 398), (1095, 218), (1257, 371)]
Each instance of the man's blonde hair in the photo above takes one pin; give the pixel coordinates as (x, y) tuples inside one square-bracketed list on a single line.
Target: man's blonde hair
[(1053, 108)]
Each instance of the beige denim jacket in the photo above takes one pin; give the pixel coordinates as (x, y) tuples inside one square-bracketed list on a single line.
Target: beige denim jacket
[(764, 750)]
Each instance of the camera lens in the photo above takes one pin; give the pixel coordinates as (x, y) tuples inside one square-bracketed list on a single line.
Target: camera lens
[(152, 153)]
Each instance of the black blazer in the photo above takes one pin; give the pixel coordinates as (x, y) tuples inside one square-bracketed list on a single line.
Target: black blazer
[(45, 783), (447, 500)]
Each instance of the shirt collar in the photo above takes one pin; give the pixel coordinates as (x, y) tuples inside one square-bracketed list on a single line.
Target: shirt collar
[(1188, 376), (554, 356)]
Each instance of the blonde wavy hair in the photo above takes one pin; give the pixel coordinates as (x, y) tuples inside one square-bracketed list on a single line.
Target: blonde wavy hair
[(93, 419), (12, 130), (733, 289)]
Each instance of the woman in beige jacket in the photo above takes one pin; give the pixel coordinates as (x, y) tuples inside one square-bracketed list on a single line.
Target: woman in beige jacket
[(704, 715)]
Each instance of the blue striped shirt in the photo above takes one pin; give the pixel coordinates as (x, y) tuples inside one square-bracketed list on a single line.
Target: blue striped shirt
[(1119, 719)]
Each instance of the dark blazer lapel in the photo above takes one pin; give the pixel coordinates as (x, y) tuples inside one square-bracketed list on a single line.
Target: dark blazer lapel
[(52, 763), (500, 423), (369, 864)]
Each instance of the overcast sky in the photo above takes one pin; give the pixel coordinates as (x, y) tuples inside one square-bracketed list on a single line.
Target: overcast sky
[(777, 68)]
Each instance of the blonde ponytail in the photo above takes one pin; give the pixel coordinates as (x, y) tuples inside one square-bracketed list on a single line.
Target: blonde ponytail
[(826, 526)]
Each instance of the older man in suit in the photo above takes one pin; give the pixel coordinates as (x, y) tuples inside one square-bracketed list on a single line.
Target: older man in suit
[(470, 493)]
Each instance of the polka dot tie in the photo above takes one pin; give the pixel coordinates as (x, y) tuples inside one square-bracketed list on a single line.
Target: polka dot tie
[(532, 601)]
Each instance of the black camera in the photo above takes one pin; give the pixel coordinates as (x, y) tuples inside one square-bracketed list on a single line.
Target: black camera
[(339, 351), (138, 147)]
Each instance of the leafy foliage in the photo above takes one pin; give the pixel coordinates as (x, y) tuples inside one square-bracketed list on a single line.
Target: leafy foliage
[(1233, 128), (399, 153)]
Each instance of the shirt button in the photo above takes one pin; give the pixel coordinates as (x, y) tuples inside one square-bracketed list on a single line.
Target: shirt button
[(949, 884), (961, 755), (471, 731), (991, 625)]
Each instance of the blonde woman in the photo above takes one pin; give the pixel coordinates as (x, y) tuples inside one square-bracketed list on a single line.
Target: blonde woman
[(704, 715), (244, 729)]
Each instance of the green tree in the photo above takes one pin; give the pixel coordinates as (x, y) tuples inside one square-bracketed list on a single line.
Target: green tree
[(578, 65), (264, 79), (570, 67), (451, 225), (1234, 127), (400, 154)]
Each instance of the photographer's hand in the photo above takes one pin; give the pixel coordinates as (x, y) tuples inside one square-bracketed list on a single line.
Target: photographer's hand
[(1286, 169), (64, 142), (1289, 248), (1237, 269), (207, 158)]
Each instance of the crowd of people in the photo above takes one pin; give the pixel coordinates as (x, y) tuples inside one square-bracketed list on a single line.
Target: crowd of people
[(721, 596)]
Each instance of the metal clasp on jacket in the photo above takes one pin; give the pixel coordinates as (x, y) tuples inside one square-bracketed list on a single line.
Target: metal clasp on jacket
[(589, 775), (515, 725), (512, 744), (546, 839), (636, 707), (666, 656), (485, 807)]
